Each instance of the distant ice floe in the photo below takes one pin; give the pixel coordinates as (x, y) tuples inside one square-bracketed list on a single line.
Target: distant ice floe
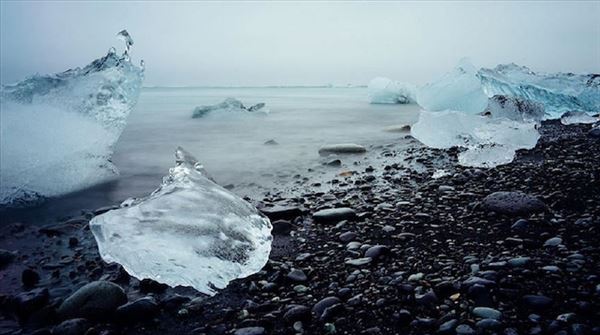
[(58, 131), (229, 106), (189, 232), (385, 91)]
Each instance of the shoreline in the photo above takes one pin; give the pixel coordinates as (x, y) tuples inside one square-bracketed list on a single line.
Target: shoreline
[(435, 253)]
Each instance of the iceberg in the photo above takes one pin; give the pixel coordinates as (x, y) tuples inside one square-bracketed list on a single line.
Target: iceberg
[(515, 108), (188, 232), (230, 105), (487, 141), (385, 91), (574, 117), (558, 92), (458, 90), (58, 131)]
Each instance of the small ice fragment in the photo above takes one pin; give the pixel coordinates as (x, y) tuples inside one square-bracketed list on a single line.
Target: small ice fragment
[(385, 91), (578, 117), (439, 173), (125, 37), (189, 232), (229, 105)]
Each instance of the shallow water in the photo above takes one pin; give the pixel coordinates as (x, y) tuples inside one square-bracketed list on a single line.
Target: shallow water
[(232, 147)]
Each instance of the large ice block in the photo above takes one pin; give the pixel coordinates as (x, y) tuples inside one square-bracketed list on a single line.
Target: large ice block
[(515, 108), (558, 92), (487, 141), (458, 90), (189, 232), (58, 131)]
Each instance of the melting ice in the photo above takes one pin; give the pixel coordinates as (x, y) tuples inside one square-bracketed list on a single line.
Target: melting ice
[(386, 91), (58, 130), (230, 105), (189, 232)]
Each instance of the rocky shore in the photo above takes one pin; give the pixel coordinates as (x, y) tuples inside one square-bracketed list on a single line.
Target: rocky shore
[(390, 250)]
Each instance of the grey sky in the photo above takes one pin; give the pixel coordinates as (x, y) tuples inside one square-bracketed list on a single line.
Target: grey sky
[(271, 43)]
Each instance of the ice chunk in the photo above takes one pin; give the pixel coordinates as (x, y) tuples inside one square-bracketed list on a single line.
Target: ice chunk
[(558, 92), (189, 232), (125, 37), (385, 91), (515, 108), (578, 117), (488, 141), (458, 90), (58, 130), (230, 105)]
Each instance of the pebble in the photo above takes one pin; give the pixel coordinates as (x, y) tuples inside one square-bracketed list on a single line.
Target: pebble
[(487, 313), (513, 203), (334, 215), (297, 275), (96, 300)]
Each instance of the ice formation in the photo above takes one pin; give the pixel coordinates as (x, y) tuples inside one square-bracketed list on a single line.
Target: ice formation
[(385, 91), (515, 108), (58, 130), (189, 232), (559, 92), (578, 117), (488, 141), (458, 90), (230, 105)]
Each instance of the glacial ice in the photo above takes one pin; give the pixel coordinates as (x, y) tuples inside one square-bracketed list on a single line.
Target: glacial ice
[(458, 90), (487, 141), (230, 105), (58, 130), (188, 232), (558, 92), (573, 117), (385, 91), (515, 108)]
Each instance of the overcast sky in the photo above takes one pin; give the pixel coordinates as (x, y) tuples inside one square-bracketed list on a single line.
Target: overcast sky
[(289, 43)]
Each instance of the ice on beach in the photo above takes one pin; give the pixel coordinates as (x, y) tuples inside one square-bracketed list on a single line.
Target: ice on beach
[(515, 108), (574, 117), (458, 90), (386, 91), (58, 130), (230, 105), (487, 141), (558, 92), (188, 232)]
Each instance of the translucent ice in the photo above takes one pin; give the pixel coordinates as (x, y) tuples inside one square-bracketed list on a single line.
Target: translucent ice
[(515, 108), (230, 105), (189, 232), (58, 130), (125, 37), (558, 92), (487, 141), (458, 90), (578, 117), (386, 91)]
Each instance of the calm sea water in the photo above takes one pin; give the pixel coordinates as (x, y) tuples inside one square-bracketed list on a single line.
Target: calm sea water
[(231, 147)]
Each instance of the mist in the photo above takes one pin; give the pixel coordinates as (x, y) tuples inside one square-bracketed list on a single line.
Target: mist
[(293, 43)]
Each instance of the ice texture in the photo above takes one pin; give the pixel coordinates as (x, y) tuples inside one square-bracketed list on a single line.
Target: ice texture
[(230, 105), (386, 91), (487, 141), (58, 130), (188, 232), (558, 92), (578, 117), (458, 90), (515, 108)]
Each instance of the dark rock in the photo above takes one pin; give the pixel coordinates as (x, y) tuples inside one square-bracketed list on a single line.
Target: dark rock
[(72, 327), (403, 317), (347, 236), (297, 313), (26, 303), (520, 225), (594, 132), (447, 327), (377, 251), (537, 302), (513, 203), (282, 227), (281, 213), (345, 148), (250, 331), (6, 257), (152, 286), (271, 142), (334, 215), (489, 324), (96, 300), (297, 275), (29, 278), (319, 308), (141, 310)]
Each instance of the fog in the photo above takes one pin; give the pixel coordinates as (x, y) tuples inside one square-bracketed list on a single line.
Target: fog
[(293, 43)]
